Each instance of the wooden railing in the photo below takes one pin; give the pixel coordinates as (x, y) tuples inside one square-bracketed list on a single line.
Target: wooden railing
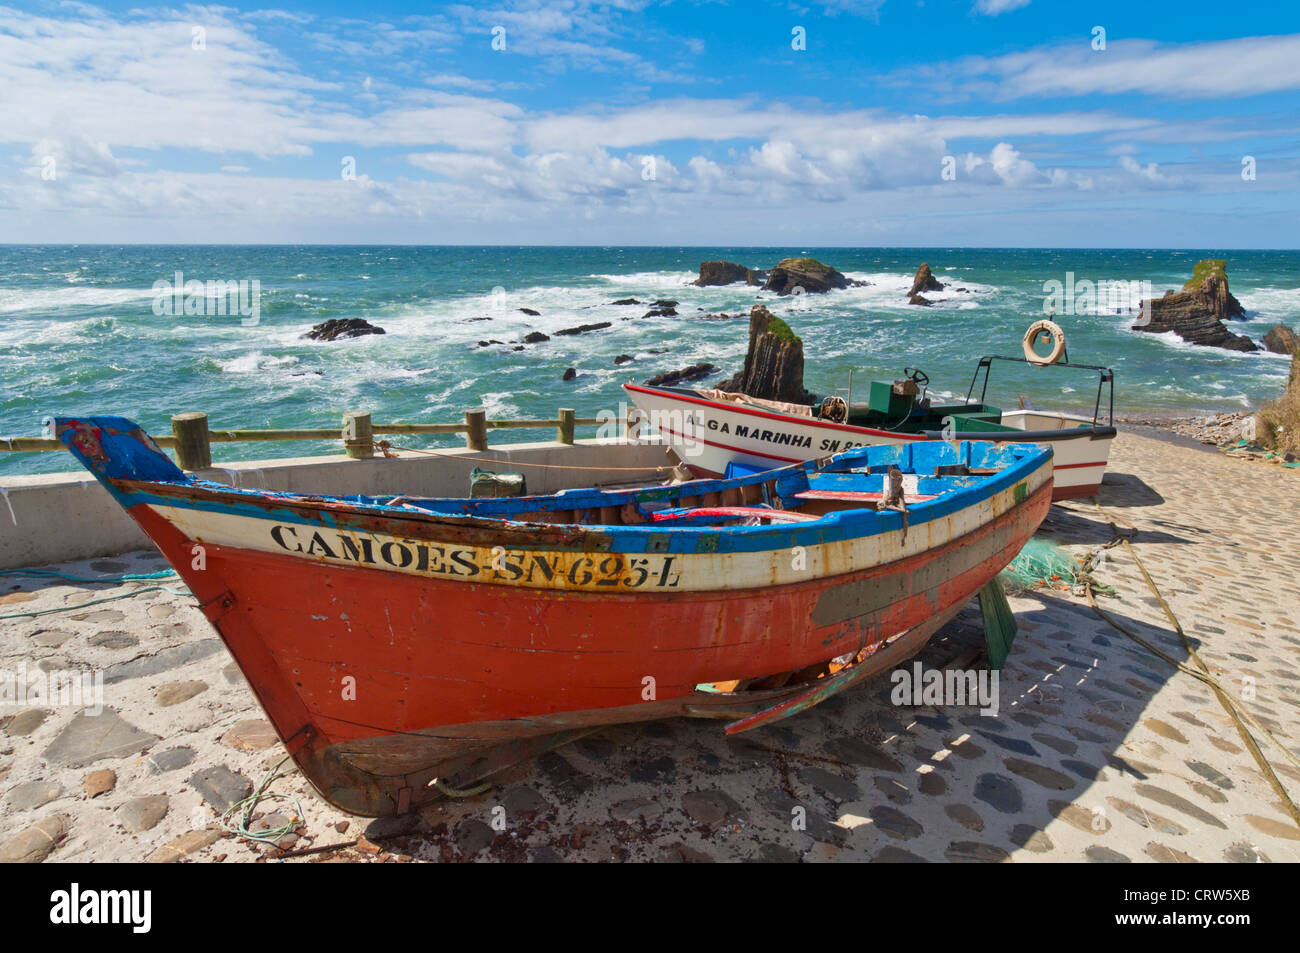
[(192, 438)]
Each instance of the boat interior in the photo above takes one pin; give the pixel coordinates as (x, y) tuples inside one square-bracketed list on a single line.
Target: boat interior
[(872, 478)]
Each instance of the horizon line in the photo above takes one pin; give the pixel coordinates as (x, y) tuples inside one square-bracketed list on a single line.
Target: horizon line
[(1169, 248)]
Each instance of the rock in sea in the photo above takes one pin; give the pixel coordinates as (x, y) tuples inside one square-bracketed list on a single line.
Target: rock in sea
[(924, 281), (584, 328), (336, 328), (1197, 312), (774, 362), (807, 274), (727, 273), (1280, 339), (693, 373)]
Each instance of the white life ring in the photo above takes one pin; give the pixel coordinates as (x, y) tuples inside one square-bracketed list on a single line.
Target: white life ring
[(1052, 330)]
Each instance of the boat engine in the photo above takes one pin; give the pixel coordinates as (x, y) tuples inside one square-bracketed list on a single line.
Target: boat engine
[(904, 396)]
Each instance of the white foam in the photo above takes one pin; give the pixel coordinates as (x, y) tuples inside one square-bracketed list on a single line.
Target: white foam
[(58, 299), (254, 361), (1274, 304)]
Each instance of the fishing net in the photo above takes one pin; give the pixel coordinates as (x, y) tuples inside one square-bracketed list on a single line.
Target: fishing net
[(1042, 564)]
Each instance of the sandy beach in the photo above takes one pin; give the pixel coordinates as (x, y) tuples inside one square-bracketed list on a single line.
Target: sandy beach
[(1100, 751)]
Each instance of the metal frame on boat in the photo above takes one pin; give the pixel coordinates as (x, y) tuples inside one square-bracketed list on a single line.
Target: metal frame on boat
[(1096, 432)]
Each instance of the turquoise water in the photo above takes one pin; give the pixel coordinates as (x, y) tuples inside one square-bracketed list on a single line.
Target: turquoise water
[(79, 333)]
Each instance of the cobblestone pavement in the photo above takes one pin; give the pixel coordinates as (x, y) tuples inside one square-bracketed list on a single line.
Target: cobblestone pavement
[(1099, 752)]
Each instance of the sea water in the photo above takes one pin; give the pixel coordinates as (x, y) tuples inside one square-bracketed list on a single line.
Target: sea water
[(94, 330)]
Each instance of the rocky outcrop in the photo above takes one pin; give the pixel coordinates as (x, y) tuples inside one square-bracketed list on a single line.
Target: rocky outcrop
[(536, 337), (924, 281), (1280, 339), (774, 362), (584, 328), (336, 328), (664, 312), (626, 301), (1210, 280), (917, 299), (727, 273), (693, 373), (531, 312), (807, 274), (1196, 314)]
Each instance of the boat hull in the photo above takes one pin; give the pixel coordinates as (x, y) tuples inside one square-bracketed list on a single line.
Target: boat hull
[(709, 435), (342, 657)]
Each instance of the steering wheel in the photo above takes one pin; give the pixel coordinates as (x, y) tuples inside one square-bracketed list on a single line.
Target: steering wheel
[(918, 376)]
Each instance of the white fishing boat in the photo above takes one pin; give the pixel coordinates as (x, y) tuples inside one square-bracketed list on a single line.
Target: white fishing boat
[(717, 433)]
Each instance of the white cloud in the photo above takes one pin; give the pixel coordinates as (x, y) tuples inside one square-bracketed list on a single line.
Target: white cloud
[(868, 9), (993, 8), (1219, 69), (1005, 165), (1149, 175), (75, 155)]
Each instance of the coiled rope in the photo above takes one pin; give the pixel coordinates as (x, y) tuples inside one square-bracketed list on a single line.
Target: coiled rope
[(271, 835)]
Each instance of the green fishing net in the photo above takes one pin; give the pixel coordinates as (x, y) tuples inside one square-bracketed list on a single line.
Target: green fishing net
[(1042, 564)]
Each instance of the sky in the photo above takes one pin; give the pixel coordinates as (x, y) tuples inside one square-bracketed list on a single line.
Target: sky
[(1023, 123)]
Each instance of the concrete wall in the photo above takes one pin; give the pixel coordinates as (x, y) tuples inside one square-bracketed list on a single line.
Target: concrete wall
[(58, 517)]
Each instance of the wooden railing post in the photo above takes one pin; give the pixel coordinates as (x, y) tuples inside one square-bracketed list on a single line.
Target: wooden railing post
[(358, 437), (564, 432), (476, 438), (193, 449)]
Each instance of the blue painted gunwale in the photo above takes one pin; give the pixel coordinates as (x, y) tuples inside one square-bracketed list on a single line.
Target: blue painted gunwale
[(133, 456)]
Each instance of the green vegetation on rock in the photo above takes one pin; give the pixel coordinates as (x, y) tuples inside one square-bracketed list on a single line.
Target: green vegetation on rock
[(1204, 269), (782, 330)]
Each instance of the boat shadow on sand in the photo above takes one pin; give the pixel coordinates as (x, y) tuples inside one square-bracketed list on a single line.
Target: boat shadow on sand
[(1127, 489), (862, 776)]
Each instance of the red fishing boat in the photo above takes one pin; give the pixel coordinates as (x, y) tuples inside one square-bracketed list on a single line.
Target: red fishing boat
[(406, 647)]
